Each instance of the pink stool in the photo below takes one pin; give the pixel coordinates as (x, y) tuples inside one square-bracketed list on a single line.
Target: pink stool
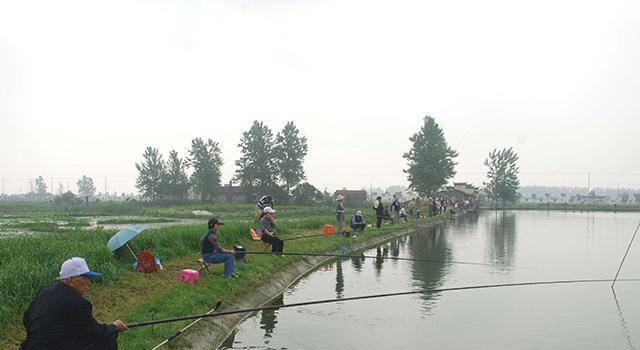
[(188, 276)]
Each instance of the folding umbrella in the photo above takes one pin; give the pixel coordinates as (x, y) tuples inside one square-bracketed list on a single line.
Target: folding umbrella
[(123, 236)]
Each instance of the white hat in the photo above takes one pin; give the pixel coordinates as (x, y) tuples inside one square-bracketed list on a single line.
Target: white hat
[(76, 267), (268, 210), (339, 197)]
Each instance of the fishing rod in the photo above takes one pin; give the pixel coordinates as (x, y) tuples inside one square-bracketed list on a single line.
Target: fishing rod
[(384, 295), (625, 256), (215, 307), (362, 256), (300, 237)]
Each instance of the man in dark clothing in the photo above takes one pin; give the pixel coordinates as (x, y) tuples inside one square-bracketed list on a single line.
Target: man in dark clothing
[(395, 208), (213, 253), (61, 318), (357, 222), (379, 208)]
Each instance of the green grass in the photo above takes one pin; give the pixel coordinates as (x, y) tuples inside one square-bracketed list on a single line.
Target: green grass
[(46, 224), (134, 221)]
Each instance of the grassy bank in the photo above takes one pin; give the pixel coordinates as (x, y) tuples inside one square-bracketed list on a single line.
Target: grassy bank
[(31, 262), (566, 206)]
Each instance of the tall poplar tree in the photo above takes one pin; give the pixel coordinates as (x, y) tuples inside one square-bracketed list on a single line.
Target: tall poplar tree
[(289, 152), (430, 159), (86, 188), (206, 160), (177, 181), (151, 174), (257, 169), (502, 175)]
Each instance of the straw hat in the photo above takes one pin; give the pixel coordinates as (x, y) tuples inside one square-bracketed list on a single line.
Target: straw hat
[(340, 197)]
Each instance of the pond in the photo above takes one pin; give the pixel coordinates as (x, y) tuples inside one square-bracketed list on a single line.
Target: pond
[(519, 246)]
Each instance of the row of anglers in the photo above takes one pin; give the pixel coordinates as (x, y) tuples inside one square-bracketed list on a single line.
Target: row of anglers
[(61, 318)]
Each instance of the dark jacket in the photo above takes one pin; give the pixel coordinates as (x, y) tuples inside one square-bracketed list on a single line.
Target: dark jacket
[(209, 243), (61, 318), (379, 210)]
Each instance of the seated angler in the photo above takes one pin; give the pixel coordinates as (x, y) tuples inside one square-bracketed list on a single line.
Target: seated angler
[(213, 253), (61, 318), (267, 227), (358, 222)]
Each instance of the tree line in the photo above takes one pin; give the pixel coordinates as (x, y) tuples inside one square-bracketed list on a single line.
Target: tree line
[(273, 164), (268, 164)]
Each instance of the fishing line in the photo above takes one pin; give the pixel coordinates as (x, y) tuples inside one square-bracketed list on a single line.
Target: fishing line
[(187, 327), (625, 255), (326, 301), (380, 257)]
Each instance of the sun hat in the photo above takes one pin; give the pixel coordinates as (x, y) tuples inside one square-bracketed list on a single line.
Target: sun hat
[(215, 221), (76, 267), (268, 210), (359, 212), (339, 197)]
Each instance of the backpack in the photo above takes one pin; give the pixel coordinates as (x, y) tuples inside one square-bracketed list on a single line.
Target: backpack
[(146, 262)]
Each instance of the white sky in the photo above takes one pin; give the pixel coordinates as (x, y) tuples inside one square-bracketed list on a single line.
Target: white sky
[(85, 86)]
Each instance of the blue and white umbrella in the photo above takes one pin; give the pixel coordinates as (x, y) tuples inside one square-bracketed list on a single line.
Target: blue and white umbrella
[(123, 236)]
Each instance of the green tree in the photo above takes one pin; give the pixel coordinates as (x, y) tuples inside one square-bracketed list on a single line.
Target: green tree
[(86, 188), (41, 186), (256, 166), (176, 181), (502, 174), (307, 194), (430, 159), (60, 188), (625, 197), (206, 160), (289, 152), (66, 200), (151, 174)]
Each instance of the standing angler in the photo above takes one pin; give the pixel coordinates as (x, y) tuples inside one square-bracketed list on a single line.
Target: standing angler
[(379, 208), (339, 213), (61, 318)]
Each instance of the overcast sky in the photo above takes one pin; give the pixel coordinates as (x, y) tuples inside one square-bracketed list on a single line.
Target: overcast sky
[(85, 86)]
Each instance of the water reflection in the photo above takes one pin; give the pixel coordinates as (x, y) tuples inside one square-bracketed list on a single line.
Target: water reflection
[(430, 244), (625, 328), (380, 253), (501, 238), (356, 263), (268, 318), (339, 279)]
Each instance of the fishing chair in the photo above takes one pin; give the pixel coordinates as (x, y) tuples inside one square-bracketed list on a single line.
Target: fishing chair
[(203, 265), (255, 236)]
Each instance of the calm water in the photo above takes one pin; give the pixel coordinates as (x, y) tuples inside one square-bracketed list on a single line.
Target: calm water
[(525, 246)]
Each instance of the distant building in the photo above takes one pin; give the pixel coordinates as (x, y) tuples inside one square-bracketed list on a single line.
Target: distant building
[(593, 199), (459, 191), (225, 194), (231, 194), (352, 197)]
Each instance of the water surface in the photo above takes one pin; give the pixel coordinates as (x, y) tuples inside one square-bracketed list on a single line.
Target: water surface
[(522, 246)]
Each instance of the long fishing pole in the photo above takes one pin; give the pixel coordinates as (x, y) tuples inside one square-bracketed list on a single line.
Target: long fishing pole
[(625, 255), (187, 327), (326, 301), (362, 256), (300, 237)]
